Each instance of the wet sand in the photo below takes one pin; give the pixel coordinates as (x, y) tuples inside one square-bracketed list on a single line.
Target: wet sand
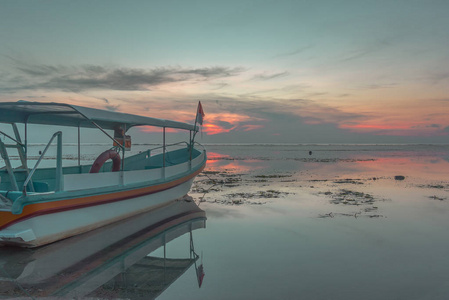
[(350, 197)]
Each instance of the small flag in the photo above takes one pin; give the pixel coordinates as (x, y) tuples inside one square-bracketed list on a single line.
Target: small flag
[(200, 114), (200, 275)]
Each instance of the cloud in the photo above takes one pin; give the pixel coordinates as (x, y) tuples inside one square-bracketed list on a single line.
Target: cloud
[(252, 127), (265, 76), (220, 85), (96, 77), (224, 122), (314, 113), (421, 126), (260, 114), (113, 107), (375, 127), (272, 113), (437, 77), (376, 86), (373, 46), (294, 52)]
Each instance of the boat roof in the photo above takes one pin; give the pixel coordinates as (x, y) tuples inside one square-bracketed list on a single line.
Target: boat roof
[(62, 114)]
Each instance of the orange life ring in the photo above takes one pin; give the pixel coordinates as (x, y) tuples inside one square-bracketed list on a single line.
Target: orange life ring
[(109, 154)]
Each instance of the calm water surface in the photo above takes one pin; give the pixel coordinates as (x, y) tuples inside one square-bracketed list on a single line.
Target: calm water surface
[(333, 224), (308, 244)]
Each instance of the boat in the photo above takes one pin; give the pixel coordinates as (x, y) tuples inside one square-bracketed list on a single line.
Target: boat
[(41, 205), (126, 259)]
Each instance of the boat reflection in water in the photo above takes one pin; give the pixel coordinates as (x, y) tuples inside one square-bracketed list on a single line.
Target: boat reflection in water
[(107, 263)]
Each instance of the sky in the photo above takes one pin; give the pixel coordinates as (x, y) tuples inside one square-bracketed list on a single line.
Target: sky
[(321, 71)]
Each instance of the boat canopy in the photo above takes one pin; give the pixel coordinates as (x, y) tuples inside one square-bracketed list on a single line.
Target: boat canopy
[(62, 114)]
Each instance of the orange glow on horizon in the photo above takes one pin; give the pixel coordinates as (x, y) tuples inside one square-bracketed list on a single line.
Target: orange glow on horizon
[(212, 129), (401, 129), (376, 117), (251, 127), (227, 122), (214, 123), (388, 117)]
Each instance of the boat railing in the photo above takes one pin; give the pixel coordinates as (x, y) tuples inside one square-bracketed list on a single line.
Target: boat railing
[(58, 177), (164, 147), (169, 145), (200, 145), (187, 145), (59, 184)]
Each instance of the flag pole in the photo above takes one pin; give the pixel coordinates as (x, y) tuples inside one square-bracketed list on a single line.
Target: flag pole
[(199, 115), (192, 141)]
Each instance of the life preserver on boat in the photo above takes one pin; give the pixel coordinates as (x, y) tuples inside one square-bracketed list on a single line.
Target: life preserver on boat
[(103, 157)]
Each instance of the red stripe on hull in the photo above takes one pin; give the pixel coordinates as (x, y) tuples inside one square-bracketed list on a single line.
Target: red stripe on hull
[(32, 210)]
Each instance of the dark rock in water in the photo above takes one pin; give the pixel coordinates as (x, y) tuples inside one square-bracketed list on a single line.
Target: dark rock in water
[(399, 177)]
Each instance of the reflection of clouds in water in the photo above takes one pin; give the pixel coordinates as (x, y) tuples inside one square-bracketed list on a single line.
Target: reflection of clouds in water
[(328, 161), (227, 163), (358, 189), (245, 183), (215, 155), (333, 162), (218, 211), (415, 166)]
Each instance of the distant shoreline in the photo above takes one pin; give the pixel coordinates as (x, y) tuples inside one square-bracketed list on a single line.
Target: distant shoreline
[(271, 144), (325, 144)]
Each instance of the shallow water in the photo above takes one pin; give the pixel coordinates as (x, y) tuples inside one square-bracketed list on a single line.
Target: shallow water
[(333, 224)]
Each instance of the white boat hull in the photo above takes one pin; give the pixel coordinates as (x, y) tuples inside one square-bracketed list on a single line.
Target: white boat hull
[(47, 228)]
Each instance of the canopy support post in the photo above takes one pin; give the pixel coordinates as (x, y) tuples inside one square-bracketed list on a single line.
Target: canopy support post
[(190, 145), (59, 184), (26, 141), (163, 152), (124, 147), (79, 146)]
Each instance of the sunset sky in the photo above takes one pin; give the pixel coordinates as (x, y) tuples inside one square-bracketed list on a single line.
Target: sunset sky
[(265, 71)]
